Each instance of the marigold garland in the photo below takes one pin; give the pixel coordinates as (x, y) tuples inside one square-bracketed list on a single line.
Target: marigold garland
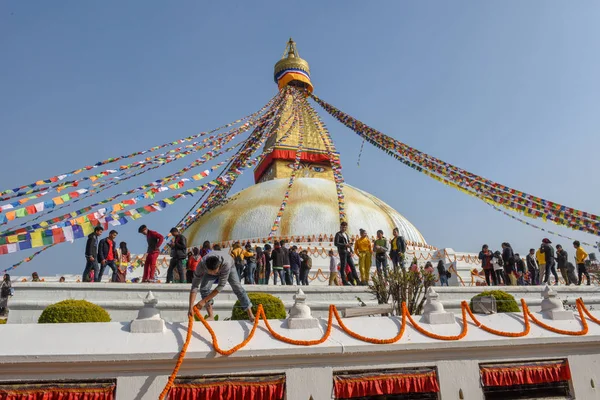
[(583, 331), (180, 358), (368, 339), (527, 328), (435, 335), (589, 315)]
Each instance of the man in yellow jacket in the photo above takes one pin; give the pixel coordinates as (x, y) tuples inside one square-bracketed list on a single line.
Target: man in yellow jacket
[(580, 256), (541, 260), (363, 248)]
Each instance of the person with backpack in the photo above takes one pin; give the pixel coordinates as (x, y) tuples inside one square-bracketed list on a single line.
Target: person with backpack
[(508, 259), (548, 252), (250, 258), (443, 274), (397, 250), (485, 255), (580, 256), (237, 253), (305, 266), (277, 258), (562, 259), (498, 266)]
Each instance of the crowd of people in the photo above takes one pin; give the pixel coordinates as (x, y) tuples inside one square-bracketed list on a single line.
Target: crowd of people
[(506, 267)]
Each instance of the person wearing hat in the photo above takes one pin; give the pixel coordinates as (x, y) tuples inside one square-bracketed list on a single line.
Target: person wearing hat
[(178, 254), (548, 252), (155, 240), (580, 256)]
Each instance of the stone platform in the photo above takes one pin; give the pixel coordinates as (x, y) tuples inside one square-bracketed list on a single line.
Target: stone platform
[(123, 301)]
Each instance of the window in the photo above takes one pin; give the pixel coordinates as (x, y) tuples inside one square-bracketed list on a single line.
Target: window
[(262, 387), (526, 380), (80, 390), (400, 384)]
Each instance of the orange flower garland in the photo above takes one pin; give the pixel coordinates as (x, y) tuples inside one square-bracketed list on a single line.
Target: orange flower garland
[(465, 306), (589, 315), (180, 358), (368, 339), (583, 331), (435, 335)]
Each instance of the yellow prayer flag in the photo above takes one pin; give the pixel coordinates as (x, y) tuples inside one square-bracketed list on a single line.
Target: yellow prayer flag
[(12, 239), (87, 228), (36, 239)]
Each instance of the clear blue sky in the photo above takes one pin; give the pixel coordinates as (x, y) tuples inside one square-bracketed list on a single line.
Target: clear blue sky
[(507, 90)]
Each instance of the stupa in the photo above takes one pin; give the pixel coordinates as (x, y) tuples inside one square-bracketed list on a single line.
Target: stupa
[(312, 208)]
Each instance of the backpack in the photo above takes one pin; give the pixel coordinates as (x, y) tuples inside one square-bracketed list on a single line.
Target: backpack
[(238, 260)]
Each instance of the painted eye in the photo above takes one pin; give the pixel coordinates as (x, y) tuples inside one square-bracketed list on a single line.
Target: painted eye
[(292, 166), (318, 169)]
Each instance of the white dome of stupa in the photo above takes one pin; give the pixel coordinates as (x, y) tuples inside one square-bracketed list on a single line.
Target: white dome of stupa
[(312, 209)]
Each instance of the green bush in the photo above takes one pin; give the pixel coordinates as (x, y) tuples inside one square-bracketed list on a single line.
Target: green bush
[(3, 321), (68, 311), (273, 306), (505, 302)]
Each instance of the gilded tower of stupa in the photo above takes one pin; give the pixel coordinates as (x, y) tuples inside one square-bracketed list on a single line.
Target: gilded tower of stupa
[(312, 208)]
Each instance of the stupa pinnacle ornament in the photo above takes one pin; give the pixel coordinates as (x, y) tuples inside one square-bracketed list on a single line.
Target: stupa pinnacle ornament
[(292, 70)]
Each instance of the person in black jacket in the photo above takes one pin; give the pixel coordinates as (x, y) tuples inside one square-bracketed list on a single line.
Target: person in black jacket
[(107, 256), (521, 269), (486, 256), (91, 254), (178, 254), (508, 259), (562, 258), (548, 252), (344, 247), (397, 250)]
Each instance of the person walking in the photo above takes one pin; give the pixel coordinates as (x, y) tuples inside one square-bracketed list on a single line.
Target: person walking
[(91, 254), (548, 252), (362, 247), (333, 271), (580, 256), (267, 249), (532, 268), (220, 265), (344, 248), (154, 240), (250, 258), (485, 255), (562, 259), (6, 291), (397, 250), (443, 274), (178, 254), (381, 247), (194, 259), (541, 260), (108, 256), (508, 260), (295, 264), (498, 266), (277, 260), (123, 261)]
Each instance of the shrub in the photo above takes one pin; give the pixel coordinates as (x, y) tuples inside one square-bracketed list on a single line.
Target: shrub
[(2, 321), (68, 311), (273, 306), (505, 302)]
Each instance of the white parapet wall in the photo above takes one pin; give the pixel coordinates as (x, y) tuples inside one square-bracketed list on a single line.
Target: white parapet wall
[(140, 363), (122, 300)]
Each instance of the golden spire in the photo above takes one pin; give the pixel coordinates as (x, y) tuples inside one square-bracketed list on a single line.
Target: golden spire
[(291, 69)]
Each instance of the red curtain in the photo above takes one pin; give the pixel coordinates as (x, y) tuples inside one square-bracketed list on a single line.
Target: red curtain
[(281, 154), (231, 388), (380, 383), (524, 373), (59, 391)]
